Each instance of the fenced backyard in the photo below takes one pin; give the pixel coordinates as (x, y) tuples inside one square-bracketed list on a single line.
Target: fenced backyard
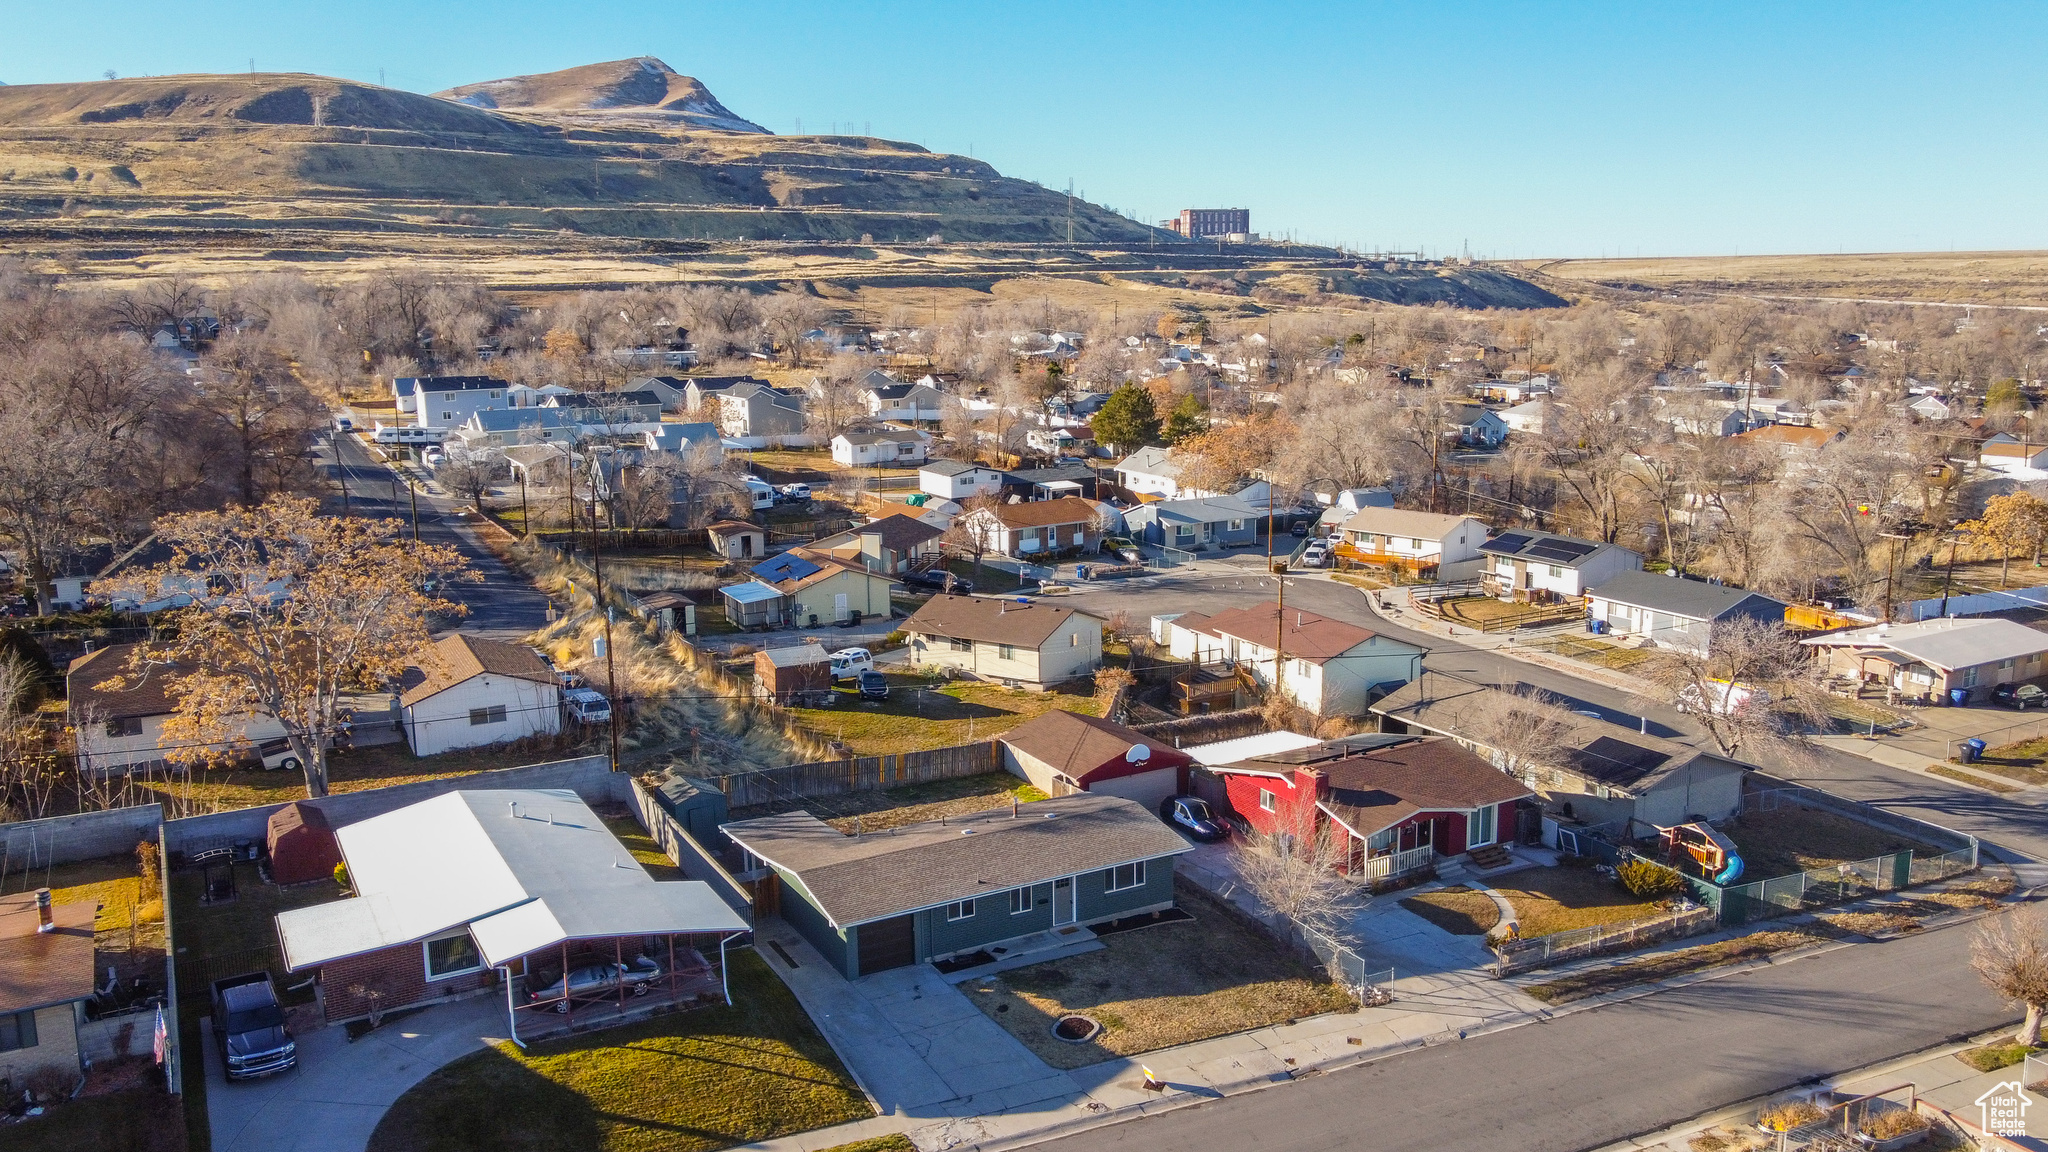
[(1520, 955), (1350, 969), (859, 774)]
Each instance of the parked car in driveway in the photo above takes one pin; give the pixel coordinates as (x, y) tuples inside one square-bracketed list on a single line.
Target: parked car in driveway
[(1190, 816), (248, 1026), (1316, 555), (2021, 696), (874, 686), (598, 982)]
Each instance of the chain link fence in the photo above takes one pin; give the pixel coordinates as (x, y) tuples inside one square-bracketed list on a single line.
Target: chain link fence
[(1535, 952)]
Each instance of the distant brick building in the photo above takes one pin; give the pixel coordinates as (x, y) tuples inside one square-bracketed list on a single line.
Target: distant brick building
[(1197, 222)]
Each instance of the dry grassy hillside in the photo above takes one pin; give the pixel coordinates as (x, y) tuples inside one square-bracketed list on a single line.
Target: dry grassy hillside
[(2011, 278)]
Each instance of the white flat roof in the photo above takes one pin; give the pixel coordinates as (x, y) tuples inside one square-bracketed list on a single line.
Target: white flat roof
[(520, 868), (1250, 747)]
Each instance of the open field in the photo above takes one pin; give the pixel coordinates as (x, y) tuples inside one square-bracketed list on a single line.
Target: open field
[(681, 1082), (1157, 986), (2015, 278)]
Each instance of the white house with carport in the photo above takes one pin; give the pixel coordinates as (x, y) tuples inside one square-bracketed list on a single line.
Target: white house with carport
[(1524, 564), (958, 479), (1938, 657), (468, 691), (1675, 612)]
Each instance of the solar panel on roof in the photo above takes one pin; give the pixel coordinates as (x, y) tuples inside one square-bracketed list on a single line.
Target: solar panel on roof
[(1549, 550), (1576, 547), (1511, 541), (786, 568)]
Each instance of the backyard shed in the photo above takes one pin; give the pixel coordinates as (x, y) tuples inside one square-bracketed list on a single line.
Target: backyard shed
[(738, 540), (698, 805), (787, 673), (302, 845), (753, 604)]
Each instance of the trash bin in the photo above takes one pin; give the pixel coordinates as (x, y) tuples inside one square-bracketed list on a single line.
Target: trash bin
[(1958, 696), (1081, 570), (1597, 627), (1972, 751)]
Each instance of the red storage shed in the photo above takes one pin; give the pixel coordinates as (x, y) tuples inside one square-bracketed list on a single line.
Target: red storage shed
[(302, 845)]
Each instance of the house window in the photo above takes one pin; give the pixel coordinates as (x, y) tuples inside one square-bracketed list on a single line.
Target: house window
[(1415, 545), (1266, 803), (1073, 639), (960, 910), (1970, 677), (1020, 901), (1556, 572), (447, 415), (1237, 525), (1482, 828), (125, 726), (1381, 842), (1301, 669), (959, 645), (1125, 876), (495, 714), (18, 1031), (1006, 651), (452, 955)]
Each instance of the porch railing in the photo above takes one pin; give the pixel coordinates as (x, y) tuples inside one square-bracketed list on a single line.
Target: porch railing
[(1394, 864)]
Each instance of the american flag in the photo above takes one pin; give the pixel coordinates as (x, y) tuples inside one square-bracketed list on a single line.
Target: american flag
[(163, 1035)]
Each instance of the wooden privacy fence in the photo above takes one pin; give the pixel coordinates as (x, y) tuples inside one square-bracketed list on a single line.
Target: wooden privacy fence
[(860, 774)]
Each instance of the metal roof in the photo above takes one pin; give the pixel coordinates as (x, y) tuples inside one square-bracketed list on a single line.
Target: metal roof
[(522, 869), (1259, 747), (752, 592)]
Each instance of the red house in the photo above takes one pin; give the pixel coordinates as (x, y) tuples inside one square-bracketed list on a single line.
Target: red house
[(1392, 804)]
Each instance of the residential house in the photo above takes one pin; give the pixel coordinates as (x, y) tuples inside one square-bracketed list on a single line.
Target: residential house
[(900, 402), (1195, 525), (1342, 504), (1030, 644), (1149, 472), (1414, 539), (483, 892), (1477, 427), (46, 981), (751, 410), (738, 540), (884, 448), (1793, 441), (1331, 668), (1037, 528), (1934, 406), (1051, 483), (793, 673), (894, 544), (687, 440), (1936, 657), (701, 393), (1060, 441), (1602, 774), (543, 464), (469, 691), (2004, 454), (1392, 804), (610, 409), (1676, 613), (957, 479), (929, 891), (503, 429), (1525, 564), (672, 391), (1062, 752), (449, 401), (117, 712), (818, 587), (1525, 418), (527, 396)]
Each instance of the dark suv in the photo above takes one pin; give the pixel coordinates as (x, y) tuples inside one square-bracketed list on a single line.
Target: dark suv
[(874, 686)]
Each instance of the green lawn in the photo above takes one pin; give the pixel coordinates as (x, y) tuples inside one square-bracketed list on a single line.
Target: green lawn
[(639, 843), (683, 1082), (919, 714)]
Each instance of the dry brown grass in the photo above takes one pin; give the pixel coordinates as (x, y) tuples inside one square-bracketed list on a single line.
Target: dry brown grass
[(1970, 778), (1158, 986), (2000, 277), (908, 804), (1459, 910), (1596, 981), (919, 714), (1551, 900), (1789, 840)]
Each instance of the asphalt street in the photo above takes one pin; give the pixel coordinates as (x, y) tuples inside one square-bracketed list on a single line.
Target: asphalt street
[(1590, 1078), (504, 606)]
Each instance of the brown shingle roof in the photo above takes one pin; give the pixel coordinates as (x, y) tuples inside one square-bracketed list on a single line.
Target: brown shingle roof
[(1305, 636), (860, 878), (103, 681), (899, 531), (990, 620), (457, 658), (1084, 747), (1038, 513), (38, 969), (1380, 788)]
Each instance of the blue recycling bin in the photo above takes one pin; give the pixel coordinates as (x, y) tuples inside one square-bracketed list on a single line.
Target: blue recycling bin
[(1972, 751), (1597, 627), (1958, 697)]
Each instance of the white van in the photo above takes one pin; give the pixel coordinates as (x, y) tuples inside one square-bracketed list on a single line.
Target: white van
[(587, 706), (848, 663), (762, 492)]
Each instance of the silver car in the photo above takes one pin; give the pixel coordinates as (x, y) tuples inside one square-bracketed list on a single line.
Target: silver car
[(599, 981)]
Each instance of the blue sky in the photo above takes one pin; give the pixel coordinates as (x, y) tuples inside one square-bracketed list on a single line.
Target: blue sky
[(1519, 129)]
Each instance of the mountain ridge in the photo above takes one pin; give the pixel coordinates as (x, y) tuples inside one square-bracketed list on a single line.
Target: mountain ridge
[(642, 87)]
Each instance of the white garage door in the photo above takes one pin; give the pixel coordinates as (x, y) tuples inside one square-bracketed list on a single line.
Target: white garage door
[(1147, 788)]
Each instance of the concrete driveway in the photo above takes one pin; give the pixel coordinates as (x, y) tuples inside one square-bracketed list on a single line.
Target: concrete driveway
[(333, 1100)]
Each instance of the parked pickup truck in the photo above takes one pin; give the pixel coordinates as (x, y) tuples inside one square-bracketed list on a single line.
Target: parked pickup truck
[(249, 1026)]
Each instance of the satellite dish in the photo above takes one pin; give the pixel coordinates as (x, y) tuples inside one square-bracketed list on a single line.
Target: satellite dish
[(1138, 754)]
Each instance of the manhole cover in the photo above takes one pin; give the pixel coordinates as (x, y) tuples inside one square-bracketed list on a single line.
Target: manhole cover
[(1076, 1029)]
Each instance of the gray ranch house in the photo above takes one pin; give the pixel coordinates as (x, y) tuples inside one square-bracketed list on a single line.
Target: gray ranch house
[(1673, 612), (1193, 525), (945, 888)]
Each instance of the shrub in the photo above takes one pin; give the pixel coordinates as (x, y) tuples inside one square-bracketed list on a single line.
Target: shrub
[(341, 875), (1649, 880), (1789, 1115), (1892, 1123)]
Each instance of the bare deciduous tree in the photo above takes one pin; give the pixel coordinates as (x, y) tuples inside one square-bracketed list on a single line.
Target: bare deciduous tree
[(1754, 684), (2010, 954)]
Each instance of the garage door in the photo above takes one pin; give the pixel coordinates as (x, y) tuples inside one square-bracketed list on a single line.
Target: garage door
[(887, 944), (1147, 788)]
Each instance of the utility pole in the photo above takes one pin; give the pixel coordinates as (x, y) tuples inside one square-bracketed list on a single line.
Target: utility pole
[(1948, 575), (525, 524), (412, 490), (1279, 626), (611, 676), (1891, 566), (341, 473)]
